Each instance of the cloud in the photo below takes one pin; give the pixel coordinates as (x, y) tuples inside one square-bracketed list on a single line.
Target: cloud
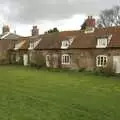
[(30, 11), (72, 23)]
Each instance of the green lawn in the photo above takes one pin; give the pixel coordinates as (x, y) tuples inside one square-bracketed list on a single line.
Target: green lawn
[(30, 94)]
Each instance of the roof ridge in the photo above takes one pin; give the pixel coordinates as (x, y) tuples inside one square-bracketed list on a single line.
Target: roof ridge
[(5, 35)]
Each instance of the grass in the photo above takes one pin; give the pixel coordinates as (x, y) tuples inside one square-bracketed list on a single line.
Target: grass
[(30, 94)]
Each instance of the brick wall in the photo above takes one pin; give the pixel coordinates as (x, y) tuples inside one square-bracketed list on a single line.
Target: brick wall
[(80, 58)]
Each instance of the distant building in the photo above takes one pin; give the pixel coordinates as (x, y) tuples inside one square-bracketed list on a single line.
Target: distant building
[(6, 34)]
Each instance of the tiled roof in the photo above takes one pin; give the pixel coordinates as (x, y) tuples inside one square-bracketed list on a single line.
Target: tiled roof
[(22, 42), (82, 40), (53, 40), (4, 45), (9, 36), (90, 40)]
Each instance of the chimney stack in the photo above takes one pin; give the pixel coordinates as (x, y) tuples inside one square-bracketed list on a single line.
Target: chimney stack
[(5, 29), (35, 31), (90, 22)]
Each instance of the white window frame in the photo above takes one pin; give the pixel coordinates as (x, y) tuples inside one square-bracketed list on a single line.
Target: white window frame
[(18, 45), (65, 44), (66, 59), (101, 60), (47, 59), (31, 45), (102, 42)]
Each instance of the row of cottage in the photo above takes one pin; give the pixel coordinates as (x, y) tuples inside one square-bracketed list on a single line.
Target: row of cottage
[(90, 48)]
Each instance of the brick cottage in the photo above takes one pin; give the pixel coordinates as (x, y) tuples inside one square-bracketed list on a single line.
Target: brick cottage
[(89, 48)]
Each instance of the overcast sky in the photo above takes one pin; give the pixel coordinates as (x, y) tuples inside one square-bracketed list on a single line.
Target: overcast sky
[(21, 15)]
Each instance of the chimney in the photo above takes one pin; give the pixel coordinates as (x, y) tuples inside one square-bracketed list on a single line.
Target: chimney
[(35, 31), (90, 22), (14, 31), (5, 29)]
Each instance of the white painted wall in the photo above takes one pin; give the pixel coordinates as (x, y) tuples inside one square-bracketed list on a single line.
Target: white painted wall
[(25, 59), (116, 64)]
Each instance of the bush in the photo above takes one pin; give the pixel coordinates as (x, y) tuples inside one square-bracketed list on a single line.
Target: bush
[(81, 70), (37, 60)]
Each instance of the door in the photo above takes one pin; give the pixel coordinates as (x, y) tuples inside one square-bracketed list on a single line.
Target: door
[(116, 64), (25, 59)]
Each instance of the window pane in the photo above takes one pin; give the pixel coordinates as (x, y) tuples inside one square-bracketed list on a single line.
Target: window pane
[(101, 60), (63, 58), (105, 60), (98, 60), (67, 59)]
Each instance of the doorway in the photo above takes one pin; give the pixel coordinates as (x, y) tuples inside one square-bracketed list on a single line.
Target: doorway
[(25, 59), (116, 64)]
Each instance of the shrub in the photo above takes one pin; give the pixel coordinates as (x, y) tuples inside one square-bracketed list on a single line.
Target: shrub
[(37, 60), (81, 70)]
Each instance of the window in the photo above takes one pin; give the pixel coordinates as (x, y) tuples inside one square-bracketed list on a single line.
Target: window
[(19, 45), (48, 60), (66, 59), (102, 43), (47, 57), (101, 61), (31, 45), (65, 44)]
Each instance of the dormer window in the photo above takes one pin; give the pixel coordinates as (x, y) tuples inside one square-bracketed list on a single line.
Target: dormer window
[(31, 44), (19, 45), (65, 44), (102, 43)]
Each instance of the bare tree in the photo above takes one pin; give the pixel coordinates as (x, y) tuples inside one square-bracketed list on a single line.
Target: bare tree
[(110, 17)]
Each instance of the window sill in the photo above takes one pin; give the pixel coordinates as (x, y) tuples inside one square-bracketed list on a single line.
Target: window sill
[(30, 48), (101, 66), (101, 46), (65, 63), (64, 47)]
